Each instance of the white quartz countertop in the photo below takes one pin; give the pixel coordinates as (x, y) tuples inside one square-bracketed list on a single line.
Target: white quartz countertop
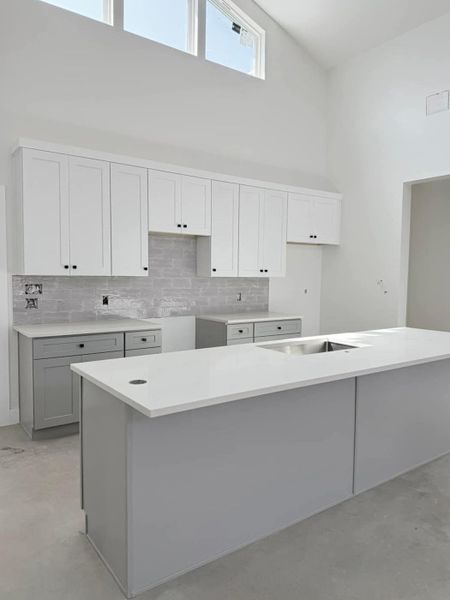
[(85, 328), (182, 381), (249, 317)]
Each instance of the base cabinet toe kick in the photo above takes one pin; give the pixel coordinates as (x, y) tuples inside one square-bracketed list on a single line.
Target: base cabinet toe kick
[(190, 487)]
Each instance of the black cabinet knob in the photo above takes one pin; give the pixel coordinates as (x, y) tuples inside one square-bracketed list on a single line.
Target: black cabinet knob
[(178, 224), (266, 270), (315, 237), (81, 345), (279, 327), (311, 236), (66, 266), (145, 268), (74, 266), (241, 331), (214, 270), (185, 226), (261, 270), (143, 339)]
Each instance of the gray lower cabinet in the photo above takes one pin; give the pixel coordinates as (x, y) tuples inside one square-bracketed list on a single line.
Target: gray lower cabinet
[(211, 333), (49, 391), (56, 393)]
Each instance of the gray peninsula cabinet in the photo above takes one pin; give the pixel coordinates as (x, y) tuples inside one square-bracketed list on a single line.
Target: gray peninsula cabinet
[(49, 392)]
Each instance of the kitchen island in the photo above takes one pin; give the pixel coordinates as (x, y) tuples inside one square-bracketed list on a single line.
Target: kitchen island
[(191, 455)]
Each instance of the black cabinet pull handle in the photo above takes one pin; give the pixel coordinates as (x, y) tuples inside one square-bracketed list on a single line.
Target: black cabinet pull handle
[(81, 345), (145, 268), (143, 339), (214, 270), (74, 266), (279, 327), (185, 226), (178, 224), (66, 266), (240, 331)]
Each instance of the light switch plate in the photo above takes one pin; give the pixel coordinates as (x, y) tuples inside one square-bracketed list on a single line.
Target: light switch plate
[(437, 103)]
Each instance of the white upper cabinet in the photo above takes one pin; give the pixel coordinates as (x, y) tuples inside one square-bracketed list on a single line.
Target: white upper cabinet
[(262, 232), (90, 217), (274, 216), (43, 190), (82, 216), (164, 202), (179, 204), (129, 220), (65, 206), (250, 239), (217, 256), (196, 205), (313, 219)]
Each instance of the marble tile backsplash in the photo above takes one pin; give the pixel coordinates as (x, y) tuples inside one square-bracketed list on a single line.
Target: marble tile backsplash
[(172, 289)]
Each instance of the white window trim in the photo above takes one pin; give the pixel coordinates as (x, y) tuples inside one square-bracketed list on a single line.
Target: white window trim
[(108, 12), (235, 13)]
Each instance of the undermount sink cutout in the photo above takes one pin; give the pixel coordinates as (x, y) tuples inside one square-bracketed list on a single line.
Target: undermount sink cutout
[(300, 348)]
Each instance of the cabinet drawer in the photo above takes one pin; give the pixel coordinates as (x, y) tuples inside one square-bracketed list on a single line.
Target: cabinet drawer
[(243, 330), (142, 339), (277, 328), (142, 352), (77, 345)]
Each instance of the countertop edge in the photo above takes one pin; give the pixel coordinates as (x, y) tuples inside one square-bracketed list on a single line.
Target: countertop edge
[(205, 402), (24, 329)]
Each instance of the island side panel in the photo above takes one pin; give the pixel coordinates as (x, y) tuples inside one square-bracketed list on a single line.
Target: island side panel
[(206, 482), (104, 471), (403, 421)]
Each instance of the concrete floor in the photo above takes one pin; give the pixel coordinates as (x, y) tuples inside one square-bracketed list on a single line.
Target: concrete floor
[(392, 543)]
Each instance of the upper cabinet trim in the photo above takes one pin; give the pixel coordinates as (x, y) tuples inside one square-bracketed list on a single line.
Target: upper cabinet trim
[(168, 167)]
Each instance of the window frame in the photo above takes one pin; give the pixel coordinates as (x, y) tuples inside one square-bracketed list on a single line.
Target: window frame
[(192, 9), (113, 13), (231, 10), (108, 12)]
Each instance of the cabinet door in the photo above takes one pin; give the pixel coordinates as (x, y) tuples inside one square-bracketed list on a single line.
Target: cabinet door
[(45, 190), (129, 220), (164, 202), (301, 223), (90, 217), (251, 201), (327, 215), (196, 205), (56, 392), (274, 217), (224, 229)]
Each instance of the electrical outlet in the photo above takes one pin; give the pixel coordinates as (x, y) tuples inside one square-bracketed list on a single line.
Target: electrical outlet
[(33, 289)]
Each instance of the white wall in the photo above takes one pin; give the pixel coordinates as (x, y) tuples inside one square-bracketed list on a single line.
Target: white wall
[(380, 138), (6, 415), (429, 258), (299, 291)]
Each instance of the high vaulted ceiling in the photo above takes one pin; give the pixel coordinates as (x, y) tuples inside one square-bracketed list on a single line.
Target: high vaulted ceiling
[(335, 30)]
